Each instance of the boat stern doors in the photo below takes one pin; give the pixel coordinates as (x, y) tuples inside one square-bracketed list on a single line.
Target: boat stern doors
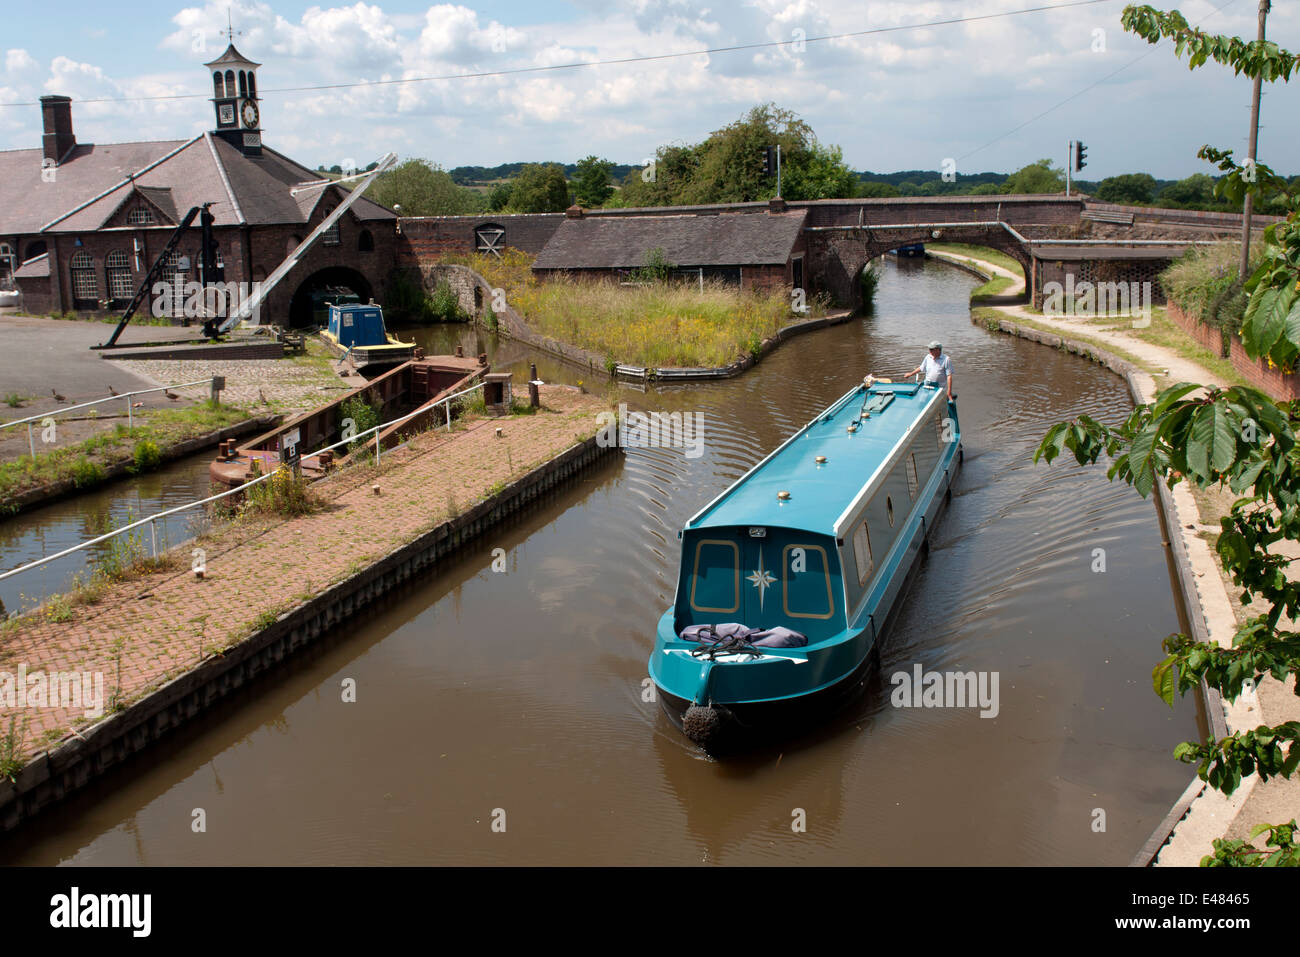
[(762, 577)]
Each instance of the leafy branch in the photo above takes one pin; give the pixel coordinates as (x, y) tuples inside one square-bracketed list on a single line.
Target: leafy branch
[(1254, 58)]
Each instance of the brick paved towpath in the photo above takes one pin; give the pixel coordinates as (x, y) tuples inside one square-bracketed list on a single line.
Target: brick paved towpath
[(159, 625)]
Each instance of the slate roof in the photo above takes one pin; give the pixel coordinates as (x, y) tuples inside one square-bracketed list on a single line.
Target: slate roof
[(94, 182), (34, 268), (621, 242)]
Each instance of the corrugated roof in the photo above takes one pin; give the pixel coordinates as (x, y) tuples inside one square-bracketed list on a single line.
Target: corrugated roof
[(616, 242)]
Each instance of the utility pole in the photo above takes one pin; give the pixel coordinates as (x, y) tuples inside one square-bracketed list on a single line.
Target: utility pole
[(1254, 142)]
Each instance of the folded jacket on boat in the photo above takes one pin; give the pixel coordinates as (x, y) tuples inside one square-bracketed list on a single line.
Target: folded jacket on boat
[(777, 637)]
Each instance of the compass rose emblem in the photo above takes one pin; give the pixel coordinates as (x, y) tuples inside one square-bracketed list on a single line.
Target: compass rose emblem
[(760, 580)]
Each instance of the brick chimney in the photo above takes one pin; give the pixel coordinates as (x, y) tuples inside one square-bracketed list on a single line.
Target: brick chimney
[(573, 212), (56, 112)]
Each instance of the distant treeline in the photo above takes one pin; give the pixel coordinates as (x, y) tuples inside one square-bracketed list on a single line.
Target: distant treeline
[(489, 175)]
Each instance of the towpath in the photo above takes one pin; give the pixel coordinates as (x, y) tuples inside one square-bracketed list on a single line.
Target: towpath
[(1210, 814)]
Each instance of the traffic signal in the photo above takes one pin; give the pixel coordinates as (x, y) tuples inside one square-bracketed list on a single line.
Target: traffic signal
[(1080, 151), (769, 160)]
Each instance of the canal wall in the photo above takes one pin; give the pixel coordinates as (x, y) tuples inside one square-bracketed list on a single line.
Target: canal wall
[(93, 751), (1201, 813), (65, 488)]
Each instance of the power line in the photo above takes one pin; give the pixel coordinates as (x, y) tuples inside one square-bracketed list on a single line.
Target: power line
[(612, 62), (1090, 86)]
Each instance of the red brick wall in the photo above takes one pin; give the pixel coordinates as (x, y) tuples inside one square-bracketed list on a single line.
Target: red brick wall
[(37, 298), (1257, 372), (424, 238)]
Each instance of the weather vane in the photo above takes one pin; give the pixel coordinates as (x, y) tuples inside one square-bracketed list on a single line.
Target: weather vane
[(230, 30)]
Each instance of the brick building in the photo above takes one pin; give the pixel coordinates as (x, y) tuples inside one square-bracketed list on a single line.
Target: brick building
[(81, 224), (751, 249)]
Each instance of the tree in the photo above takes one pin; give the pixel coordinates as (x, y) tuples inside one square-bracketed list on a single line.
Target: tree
[(873, 190), (986, 189), (423, 189), (499, 198), (1239, 438), (540, 188), (591, 184), (1196, 191), (1040, 177), (1130, 188), (728, 166)]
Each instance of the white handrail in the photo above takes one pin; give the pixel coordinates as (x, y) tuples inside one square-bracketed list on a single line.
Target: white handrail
[(111, 398), (212, 498)]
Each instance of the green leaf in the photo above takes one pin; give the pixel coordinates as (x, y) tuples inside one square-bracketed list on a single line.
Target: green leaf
[(1212, 445), (1164, 678)]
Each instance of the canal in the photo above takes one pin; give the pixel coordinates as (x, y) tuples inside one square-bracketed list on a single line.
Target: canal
[(516, 698)]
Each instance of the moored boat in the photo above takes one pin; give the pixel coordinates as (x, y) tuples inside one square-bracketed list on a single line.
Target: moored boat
[(789, 578), (358, 330)]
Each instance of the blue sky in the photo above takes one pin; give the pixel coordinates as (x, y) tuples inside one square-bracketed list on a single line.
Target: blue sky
[(899, 100)]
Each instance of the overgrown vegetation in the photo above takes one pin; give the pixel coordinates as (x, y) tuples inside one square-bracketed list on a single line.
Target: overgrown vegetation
[(1205, 283), (147, 456), (356, 417), (284, 493), (406, 301), (658, 324)]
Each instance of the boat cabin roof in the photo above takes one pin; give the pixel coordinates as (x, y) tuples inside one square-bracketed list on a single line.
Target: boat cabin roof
[(820, 493)]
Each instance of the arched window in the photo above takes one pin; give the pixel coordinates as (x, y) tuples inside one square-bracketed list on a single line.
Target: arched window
[(85, 287), (117, 269), (365, 242), (230, 83), (218, 88), (243, 84), (140, 216), (489, 238), (252, 85), (331, 236)]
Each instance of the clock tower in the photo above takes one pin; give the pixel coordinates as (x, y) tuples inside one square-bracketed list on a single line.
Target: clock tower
[(234, 97)]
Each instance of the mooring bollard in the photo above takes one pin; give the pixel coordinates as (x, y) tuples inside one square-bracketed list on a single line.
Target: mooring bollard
[(218, 383), (533, 397)]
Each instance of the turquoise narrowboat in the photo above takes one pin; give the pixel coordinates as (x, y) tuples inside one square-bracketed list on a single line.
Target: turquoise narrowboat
[(789, 577)]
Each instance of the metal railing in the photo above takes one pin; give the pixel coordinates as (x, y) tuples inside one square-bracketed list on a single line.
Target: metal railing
[(152, 519), (130, 417)]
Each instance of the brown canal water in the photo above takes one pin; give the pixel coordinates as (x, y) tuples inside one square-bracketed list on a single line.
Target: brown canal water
[(516, 697)]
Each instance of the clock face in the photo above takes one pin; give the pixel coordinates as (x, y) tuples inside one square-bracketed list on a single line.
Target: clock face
[(226, 114), (249, 113)]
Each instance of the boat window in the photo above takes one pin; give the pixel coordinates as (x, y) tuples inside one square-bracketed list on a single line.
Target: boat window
[(715, 585), (889, 510), (806, 582), (862, 553), (912, 483)]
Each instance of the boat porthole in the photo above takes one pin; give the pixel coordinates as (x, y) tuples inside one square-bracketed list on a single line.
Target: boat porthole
[(889, 510)]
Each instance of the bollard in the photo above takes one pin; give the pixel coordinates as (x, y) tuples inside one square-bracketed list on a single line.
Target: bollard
[(218, 383), (534, 399)]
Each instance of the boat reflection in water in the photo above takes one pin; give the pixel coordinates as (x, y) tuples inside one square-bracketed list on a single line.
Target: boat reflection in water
[(790, 577)]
